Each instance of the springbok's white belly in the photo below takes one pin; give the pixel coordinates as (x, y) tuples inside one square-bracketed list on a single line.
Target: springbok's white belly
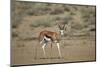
[(47, 39)]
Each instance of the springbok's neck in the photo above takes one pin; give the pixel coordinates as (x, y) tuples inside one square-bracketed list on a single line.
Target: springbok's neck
[(61, 32), (61, 36)]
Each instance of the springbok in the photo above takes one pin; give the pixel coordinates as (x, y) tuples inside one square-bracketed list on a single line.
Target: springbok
[(49, 36)]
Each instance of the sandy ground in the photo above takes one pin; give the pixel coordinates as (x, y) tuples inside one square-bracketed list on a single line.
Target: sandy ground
[(74, 48), (23, 52)]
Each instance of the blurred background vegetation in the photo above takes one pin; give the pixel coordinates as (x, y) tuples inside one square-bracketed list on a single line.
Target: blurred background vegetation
[(77, 17)]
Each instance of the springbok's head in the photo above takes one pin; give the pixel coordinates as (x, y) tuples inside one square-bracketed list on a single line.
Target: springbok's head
[(62, 28)]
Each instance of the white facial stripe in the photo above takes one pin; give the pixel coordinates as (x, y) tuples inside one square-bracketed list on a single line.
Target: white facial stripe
[(62, 32)]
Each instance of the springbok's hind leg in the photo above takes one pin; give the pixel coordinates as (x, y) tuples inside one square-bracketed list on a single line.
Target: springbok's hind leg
[(43, 47), (51, 50), (42, 41)]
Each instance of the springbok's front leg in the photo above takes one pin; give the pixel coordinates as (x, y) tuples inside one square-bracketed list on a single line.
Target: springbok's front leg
[(58, 45)]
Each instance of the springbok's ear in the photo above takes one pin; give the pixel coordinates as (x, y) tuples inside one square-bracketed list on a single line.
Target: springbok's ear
[(65, 27)]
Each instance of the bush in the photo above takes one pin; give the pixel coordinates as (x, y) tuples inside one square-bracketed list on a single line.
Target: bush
[(45, 22), (56, 11)]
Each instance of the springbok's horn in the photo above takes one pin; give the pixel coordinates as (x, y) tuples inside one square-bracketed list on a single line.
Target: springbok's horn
[(59, 26), (64, 26)]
